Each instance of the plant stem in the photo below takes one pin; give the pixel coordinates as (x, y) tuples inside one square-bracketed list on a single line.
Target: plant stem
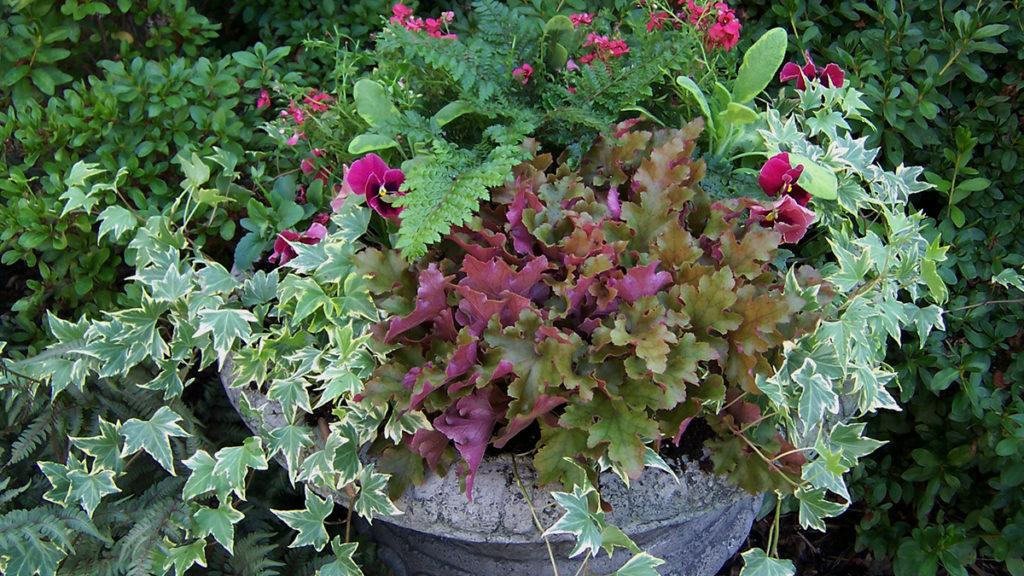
[(987, 303), (773, 536), (533, 513)]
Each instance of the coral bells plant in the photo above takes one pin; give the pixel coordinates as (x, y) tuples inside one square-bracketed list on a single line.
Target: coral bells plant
[(592, 313)]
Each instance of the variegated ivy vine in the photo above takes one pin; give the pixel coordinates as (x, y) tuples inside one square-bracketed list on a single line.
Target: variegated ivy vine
[(883, 268), (189, 313)]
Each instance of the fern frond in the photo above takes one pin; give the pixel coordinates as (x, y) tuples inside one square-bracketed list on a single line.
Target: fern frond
[(37, 431), (445, 190)]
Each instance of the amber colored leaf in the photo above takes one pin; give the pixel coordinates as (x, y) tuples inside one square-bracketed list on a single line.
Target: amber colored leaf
[(642, 325), (748, 256)]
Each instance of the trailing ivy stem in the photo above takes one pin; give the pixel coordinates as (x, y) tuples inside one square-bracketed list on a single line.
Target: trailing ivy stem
[(768, 460), (583, 566), (790, 452), (348, 515), (533, 513), (773, 536), (988, 303)]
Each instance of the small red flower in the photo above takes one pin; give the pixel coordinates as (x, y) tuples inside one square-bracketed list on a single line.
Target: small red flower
[(295, 113), (402, 16), (370, 176), (786, 216), (581, 19), (263, 102), (523, 73), (779, 177), (657, 21), (318, 101), (603, 48)]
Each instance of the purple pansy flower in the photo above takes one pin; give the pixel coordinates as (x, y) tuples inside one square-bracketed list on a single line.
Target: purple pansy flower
[(831, 75), (372, 177), (786, 216), (779, 177), (283, 251)]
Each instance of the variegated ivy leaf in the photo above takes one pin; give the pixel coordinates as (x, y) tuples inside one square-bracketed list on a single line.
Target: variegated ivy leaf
[(308, 295), (202, 479), (185, 556), (226, 326), (105, 448), (74, 482), (850, 441), (153, 436), (215, 278), (233, 463), (373, 501), (338, 380), (401, 423), (220, 522), (308, 522), (826, 471), (343, 564), (579, 521), (816, 397), (89, 488), (259, 288), (815, 507), (57, 474), (292, 393), (642, 564), (116, 221), (290, 440), (758, 563)]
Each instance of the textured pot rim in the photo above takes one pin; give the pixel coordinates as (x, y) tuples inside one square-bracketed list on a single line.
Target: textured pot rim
[(498, 512)]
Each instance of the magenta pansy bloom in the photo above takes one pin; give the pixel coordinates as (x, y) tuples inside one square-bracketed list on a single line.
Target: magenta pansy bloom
[(786, 216), (370, 176), (779, 177), (283, 250), (831, 75)]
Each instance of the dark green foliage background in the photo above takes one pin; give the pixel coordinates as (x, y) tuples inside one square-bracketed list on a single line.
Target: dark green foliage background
[(944, 88)]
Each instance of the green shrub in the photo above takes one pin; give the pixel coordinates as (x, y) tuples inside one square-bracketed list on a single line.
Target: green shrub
[(148, 125)]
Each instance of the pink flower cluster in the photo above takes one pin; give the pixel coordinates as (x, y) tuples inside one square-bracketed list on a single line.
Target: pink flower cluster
[(602, 48), (657, 21), (717, 21), (315, 101), (523, 73), (581, 19), (403, 16)]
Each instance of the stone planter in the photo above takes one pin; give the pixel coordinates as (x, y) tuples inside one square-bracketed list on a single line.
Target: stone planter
[(695, 525)]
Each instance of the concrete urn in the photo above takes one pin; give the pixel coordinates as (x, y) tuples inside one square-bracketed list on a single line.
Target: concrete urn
[(695, 524)]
